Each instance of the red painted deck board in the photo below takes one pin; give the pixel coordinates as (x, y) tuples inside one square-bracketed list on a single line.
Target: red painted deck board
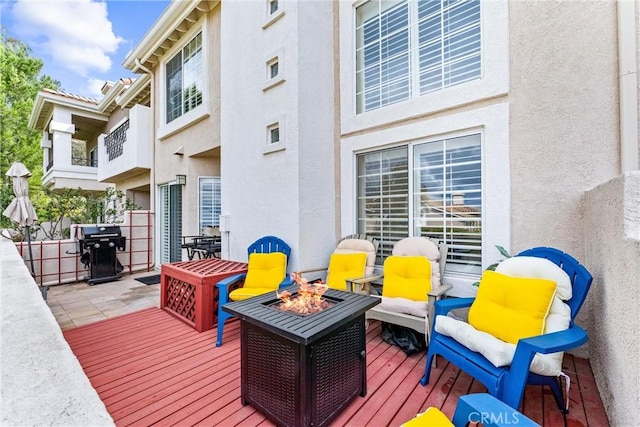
[(149, 368)]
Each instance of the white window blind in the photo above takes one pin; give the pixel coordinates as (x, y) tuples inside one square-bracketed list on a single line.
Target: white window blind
[(184, 80), (447, 198), (445, 190), (383, 197), (209, 202), (406, 49)]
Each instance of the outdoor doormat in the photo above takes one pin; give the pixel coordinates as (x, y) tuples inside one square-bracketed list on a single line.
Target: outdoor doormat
[(149, 280)]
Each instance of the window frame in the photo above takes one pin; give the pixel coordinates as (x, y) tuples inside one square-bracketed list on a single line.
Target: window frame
[(399, 50), (272, 147), (199, 112), (493, 122), (215, 181), (279, 78), (494, 21)]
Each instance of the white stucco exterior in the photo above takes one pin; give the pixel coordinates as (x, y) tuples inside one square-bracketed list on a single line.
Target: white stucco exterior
[(288, 189), (612, 245), (548, 108)]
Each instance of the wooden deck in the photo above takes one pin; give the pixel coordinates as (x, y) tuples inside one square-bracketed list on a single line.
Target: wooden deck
[(151, 369)]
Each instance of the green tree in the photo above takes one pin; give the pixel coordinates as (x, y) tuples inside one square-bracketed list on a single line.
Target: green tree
[(20, 81), (81, 207)]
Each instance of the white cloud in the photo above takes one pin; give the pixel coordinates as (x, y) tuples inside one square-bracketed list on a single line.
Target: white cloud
[(77, 34), (94, 88)]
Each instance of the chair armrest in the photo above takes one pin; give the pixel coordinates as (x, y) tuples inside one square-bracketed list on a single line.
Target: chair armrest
[(556, 341), (228, 281), (433, 296), (224, 285), (439, 291), (311, 270), (444, 306), (363, 282), (491, 411), (527, 348), (288, 281)]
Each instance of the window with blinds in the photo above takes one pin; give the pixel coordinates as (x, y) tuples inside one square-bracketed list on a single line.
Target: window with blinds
[(383, 197), (441, 198), (209, 201), (406, 49), (184, 80)]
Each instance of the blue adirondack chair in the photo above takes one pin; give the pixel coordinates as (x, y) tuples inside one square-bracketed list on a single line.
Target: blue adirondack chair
[(264, 245), (508, 383), (474, 408)]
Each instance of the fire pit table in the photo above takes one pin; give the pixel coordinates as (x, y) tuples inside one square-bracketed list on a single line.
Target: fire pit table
[(188, 289), (302, 370)]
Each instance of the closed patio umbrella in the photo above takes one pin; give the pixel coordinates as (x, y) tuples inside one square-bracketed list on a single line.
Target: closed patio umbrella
[(20, 209)]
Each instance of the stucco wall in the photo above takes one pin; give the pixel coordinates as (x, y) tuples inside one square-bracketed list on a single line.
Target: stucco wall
[(285, 190), (564, 117), (42, 381), (564, 133), (612, 245), (194, 149)]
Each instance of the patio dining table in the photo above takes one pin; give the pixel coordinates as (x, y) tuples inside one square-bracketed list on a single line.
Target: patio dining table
[(188, 289), (202, 245)]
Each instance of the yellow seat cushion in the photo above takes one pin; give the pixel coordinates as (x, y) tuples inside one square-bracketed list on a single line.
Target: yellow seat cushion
[(511, 308), (407, 277), (344, 266), (266, 270), (243, 293), (432, 417)]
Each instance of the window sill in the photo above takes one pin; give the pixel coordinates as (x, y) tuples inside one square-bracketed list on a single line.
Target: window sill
[(273, 148), (276, 81), (272, 19), (199, 113)]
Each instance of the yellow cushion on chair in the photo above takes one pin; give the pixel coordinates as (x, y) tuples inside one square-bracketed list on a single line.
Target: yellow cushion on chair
[(407, 277), (344, 266), (243, 293), (432, 417), (264, 274), (511, 308)]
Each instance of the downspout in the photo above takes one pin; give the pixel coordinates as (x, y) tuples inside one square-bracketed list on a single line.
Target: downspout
[(628, 86), (152, 184)]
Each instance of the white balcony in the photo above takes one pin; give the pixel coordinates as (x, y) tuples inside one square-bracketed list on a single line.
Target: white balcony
[(125, 151), (58, 177)]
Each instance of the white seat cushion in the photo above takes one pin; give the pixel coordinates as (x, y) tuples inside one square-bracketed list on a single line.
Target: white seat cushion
[(404, 305), (500, 353), (529, 266)]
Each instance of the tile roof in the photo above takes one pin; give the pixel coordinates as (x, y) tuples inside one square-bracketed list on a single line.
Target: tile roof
[(71, 96)]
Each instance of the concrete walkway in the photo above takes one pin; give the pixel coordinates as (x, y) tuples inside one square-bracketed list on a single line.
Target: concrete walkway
[(78, 304)]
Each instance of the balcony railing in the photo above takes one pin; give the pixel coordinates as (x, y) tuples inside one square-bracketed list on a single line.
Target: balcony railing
[(115, 140)]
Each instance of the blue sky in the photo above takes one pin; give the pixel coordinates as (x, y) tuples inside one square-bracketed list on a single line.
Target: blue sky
[(81, 42)]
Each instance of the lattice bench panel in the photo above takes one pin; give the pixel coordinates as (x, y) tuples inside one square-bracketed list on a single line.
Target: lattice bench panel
[(188, 289)]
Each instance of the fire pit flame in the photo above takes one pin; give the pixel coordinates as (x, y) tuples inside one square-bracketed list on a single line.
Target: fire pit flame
[(307, 300)]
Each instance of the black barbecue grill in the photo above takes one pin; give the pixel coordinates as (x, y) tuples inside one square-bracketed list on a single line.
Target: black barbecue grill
[(98, 245)]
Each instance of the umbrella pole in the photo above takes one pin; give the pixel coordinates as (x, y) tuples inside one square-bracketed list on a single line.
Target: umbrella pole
[(43, 290), (33, 271)]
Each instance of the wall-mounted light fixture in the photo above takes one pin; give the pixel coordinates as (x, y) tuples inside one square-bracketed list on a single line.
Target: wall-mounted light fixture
[(181, 179)]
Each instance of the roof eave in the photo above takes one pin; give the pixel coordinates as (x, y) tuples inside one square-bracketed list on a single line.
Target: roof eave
[(133, 90), (158, 33), (110, 97), (38, 103)]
